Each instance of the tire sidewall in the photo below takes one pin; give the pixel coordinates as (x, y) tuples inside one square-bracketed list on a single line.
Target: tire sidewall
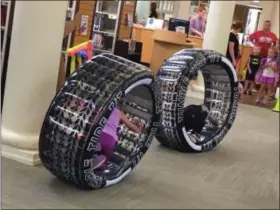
[(86, 174), (206, 58)]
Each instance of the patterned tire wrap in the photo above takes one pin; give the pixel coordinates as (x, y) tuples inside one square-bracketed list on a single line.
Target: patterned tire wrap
[(221, 97), (78, 113)]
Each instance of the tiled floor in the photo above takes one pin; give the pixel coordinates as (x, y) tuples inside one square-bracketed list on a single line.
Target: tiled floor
[(251, 100), (241, 173)]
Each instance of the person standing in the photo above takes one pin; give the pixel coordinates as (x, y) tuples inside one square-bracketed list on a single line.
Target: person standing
[(269, 75), (154, 13), (253, 65), (198, 23), (233, 43), (264, 38)]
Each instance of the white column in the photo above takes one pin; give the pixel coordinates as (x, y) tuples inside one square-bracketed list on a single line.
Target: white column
[(34, 59), (275, 18), (219, 22)]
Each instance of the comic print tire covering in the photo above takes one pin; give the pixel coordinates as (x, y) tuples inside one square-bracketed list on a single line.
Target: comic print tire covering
[(79, 111), (221, 97)]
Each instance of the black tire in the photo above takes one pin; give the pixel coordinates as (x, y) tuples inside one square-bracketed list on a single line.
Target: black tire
[(77, 115), (221, 98)]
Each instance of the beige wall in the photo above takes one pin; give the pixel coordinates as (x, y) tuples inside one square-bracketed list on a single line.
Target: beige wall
[(266, 12), (275, 19)]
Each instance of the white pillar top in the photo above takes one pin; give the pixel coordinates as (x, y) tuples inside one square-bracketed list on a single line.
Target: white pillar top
[(219, 22)]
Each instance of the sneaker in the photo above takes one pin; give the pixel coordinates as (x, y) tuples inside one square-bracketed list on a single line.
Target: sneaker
[(245, 92), (99, 161), (250, 93), (258, 101)]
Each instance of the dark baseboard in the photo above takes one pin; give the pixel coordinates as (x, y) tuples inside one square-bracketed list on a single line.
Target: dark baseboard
[(145, 64)]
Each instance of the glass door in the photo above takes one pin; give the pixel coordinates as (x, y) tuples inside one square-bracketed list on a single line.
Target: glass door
[(252, 21)]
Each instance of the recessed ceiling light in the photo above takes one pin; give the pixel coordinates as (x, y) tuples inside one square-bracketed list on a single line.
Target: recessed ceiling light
[(256, 1)]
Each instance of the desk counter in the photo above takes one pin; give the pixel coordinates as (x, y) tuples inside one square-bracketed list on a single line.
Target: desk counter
[(165, 44), (177, 40), (145, 35)]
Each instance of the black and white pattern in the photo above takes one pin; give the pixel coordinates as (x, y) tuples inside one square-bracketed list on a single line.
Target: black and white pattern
[(221, 98), (78, 113)]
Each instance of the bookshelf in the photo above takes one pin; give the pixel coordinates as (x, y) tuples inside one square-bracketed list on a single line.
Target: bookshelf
[(105, 25)]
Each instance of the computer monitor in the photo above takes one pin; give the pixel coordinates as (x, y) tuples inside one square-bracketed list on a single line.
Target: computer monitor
[(174, 23), (153, 23)]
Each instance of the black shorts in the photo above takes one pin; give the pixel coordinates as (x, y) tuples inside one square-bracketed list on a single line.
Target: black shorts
[(252, 76)]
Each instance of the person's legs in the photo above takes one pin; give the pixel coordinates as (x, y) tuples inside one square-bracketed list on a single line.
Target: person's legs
[(261, 92), (274, 89), (252, 86), (107, 144), (105, 147), (266, 97), (246, 86)]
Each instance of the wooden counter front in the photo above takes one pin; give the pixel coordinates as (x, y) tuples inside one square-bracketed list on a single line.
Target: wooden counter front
[(144, 35), (172, 41), (165, 44), (197, 40)]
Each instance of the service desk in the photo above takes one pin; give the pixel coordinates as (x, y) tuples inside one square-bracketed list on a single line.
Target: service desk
[(144, 35), (177, 40), (198, 41), (174, 40), (165, 44)]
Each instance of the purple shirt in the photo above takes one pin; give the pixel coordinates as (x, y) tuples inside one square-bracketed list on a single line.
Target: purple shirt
[(197, 23), (112, 123)]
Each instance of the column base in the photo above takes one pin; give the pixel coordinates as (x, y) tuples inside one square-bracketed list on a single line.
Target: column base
[(29, 157), (20, 140)]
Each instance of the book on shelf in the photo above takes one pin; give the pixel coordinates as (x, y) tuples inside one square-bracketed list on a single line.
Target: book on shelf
[(97, 40)]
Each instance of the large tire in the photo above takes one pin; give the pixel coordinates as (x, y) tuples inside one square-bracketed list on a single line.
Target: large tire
[(78, 113), (221, 98)]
